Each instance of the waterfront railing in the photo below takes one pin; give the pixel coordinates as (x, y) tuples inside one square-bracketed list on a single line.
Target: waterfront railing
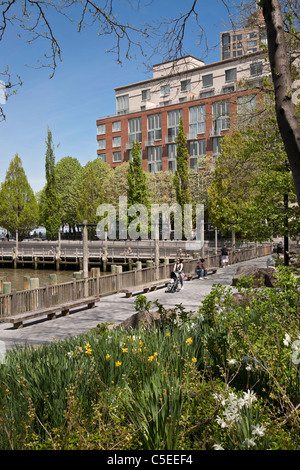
[(46, 296)]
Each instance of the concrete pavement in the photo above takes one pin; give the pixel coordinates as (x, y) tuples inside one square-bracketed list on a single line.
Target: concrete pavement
[(115, 308)]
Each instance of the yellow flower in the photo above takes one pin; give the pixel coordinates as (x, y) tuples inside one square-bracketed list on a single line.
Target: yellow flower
[(107, 357), (194, 360), (141, 343), (247, 308), (168, 335), (189, 341), (124, 350), (118, 363), (150, 358), (88, 349), (155, 355)]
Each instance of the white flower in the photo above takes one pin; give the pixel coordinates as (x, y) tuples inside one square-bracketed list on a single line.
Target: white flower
[(249, 367), (258, 430), (218, 447), (295, 345), (232, 361), (249, 442), (249, 398), (221, 422), (287, 339)]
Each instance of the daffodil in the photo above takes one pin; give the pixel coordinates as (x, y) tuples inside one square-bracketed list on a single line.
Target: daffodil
[(194, 360), (107, 357), (189, 341), (118, 363), (124, 350)]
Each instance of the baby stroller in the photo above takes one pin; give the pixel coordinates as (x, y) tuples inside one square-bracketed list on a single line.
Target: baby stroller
[(173, 284)]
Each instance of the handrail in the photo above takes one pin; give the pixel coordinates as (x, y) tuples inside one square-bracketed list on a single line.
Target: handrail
[(47, 296)]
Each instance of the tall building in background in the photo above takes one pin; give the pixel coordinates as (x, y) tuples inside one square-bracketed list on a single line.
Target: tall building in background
[(247, 40), (210, 99)]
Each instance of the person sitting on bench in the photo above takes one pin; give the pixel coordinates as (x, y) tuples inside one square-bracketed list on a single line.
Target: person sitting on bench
[(200, 269)]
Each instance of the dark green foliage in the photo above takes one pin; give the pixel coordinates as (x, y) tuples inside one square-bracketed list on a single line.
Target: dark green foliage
[(18, 206), (50, 206)]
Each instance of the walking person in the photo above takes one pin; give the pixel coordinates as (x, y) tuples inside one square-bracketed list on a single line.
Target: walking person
[(225, 256), (178, 269)]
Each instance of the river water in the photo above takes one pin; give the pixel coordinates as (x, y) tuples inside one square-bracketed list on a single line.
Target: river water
[(16, 276)]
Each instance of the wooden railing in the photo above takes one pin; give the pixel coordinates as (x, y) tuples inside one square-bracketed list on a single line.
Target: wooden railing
[(50, 295)]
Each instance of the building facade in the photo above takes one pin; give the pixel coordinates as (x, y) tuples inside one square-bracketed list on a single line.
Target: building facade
[(209, 98)]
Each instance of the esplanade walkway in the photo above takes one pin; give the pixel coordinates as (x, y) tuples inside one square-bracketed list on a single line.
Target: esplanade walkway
[(115, 309)]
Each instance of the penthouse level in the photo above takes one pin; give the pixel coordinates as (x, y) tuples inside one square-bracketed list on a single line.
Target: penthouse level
[(210, 98)]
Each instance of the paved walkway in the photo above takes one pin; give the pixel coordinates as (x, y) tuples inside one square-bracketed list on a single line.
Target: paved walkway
[(115, 308)]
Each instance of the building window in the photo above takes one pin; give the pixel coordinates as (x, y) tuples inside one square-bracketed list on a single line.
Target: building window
[(101, 144), (207, 80), (122, 104), (185, 85), (102, 157), (251, 35), (165, 90), (228, 89), (116, 126), (256, 68), (220, 116), (101, 129), (197, 121), (206, 94), (130, 157), (172, 157), (216, 148), (246, 109), (225, 46), (230, 75), (197, 150), (155, 159), (154, 128), (117, 157), (146, 95), (251, 43), (135, 130), (173, 124), (116, 141)]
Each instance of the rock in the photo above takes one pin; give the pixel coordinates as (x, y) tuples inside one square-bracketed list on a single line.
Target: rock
[(261, 276), (142, 320)]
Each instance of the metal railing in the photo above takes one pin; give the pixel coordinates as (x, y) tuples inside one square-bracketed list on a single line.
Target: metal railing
[(50, 295)]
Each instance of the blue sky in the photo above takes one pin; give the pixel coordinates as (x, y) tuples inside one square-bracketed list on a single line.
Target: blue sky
[(82, 89)]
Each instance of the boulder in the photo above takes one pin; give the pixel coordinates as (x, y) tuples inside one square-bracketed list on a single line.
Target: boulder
[(261, 276), (143, 320)]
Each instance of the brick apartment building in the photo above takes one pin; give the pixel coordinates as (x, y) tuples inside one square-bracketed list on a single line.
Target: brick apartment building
[(210, 98)]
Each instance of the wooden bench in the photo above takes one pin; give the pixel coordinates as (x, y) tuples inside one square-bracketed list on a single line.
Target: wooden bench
[(151, 286), (18, 319), (190, 277)]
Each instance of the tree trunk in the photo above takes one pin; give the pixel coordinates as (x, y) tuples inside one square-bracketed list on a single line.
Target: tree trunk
[(281, 76)]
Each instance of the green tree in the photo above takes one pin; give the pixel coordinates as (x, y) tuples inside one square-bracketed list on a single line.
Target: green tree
[(68, 172), (93, 189), (137, 193), (18, 206), (50, 204), (181, 177), (137, 186), (250, 182)]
